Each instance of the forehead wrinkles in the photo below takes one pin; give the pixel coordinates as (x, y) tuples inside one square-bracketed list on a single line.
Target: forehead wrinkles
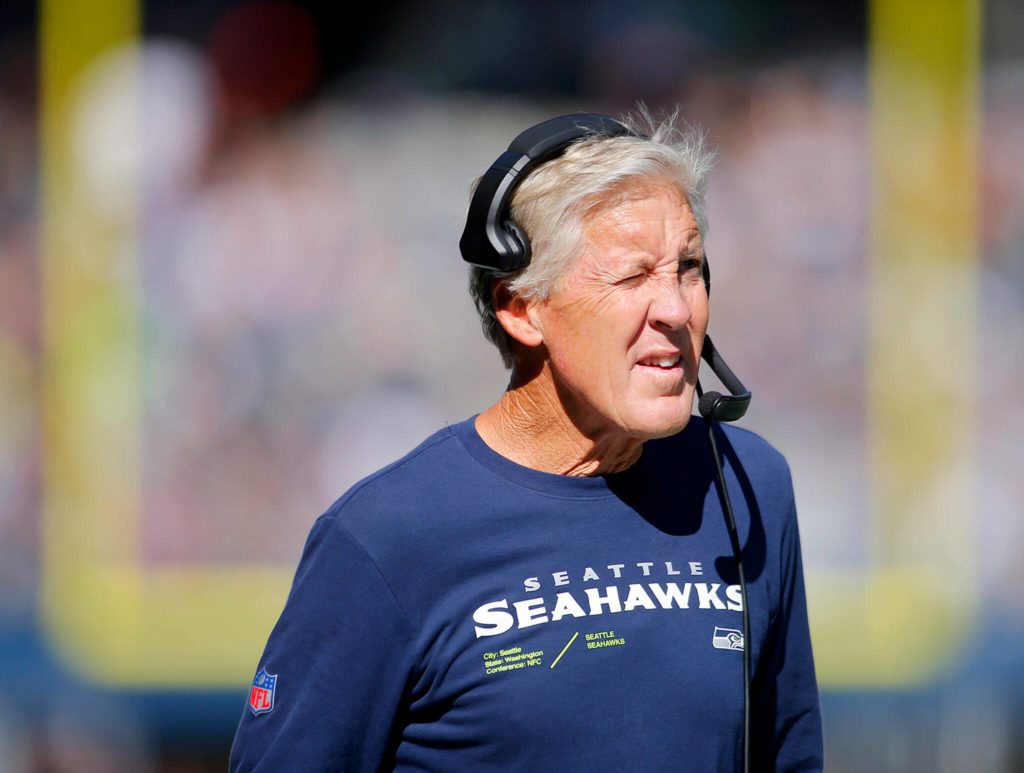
[(643, 218)]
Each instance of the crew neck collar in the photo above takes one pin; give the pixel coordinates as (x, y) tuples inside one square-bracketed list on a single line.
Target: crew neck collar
[(571, 486)]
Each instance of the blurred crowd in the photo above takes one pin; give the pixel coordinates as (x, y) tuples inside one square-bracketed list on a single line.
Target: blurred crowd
[(303, 310)]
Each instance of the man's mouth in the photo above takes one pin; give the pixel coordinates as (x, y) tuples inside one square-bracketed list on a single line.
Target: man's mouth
[(661, 361)]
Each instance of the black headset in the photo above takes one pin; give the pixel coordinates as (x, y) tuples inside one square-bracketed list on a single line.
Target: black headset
[(492, 240)]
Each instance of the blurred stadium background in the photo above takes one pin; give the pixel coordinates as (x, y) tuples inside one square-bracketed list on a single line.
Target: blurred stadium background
[(230, 287)]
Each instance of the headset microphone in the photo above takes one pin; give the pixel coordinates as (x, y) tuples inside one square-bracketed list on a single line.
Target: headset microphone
[(714, 405)]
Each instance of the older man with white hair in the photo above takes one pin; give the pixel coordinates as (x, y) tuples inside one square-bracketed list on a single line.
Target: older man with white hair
[(583, 576)]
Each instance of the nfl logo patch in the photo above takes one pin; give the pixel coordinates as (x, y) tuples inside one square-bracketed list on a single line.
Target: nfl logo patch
[(261, 696)]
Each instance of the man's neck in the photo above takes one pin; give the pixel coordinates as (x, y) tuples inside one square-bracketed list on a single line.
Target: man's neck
[(530, 426)]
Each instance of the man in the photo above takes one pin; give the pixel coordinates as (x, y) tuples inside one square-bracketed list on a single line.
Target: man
[(550, 586)]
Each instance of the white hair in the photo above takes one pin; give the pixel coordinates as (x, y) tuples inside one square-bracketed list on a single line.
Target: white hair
[(554, 202)]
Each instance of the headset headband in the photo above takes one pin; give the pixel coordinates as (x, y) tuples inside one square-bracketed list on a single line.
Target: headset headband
[(491, 239)]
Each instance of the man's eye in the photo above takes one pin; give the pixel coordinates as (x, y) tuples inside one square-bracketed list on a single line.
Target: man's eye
[(687, 266), (633, 278)]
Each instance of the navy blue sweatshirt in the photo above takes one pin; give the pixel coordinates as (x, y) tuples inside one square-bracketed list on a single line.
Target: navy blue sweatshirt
[(457, 611)]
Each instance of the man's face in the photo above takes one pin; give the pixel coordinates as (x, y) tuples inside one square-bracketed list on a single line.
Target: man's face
[(624, 329)]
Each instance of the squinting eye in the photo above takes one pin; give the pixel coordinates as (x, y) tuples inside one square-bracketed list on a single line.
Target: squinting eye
[(632, 278)]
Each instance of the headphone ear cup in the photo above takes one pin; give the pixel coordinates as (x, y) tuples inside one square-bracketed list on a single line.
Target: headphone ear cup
[(490, 239), (519, 246)]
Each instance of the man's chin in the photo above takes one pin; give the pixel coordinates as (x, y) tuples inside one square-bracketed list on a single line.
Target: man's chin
[(663, 426)]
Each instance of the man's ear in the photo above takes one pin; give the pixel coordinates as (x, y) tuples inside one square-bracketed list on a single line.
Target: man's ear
[(513, 312)]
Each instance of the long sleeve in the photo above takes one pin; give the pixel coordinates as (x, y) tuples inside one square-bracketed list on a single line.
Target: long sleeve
[(339, 658), (787, 730)]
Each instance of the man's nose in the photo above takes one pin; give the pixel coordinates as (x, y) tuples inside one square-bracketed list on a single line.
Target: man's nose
[(669, 307)]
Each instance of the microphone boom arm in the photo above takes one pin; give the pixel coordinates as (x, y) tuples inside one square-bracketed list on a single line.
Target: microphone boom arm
[(714, 404)]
